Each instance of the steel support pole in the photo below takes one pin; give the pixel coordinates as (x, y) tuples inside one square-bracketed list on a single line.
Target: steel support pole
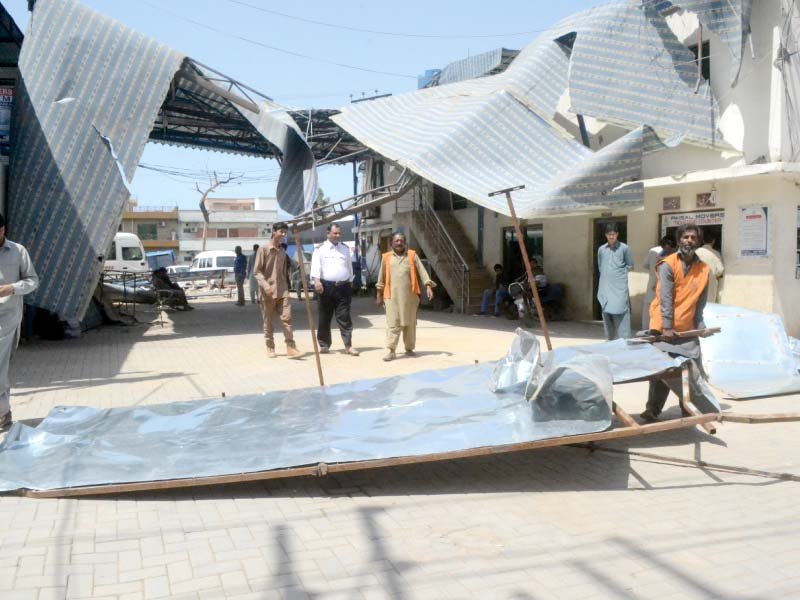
[(528, 269)]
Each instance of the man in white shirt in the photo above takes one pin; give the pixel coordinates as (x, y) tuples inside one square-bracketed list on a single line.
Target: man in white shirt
[(713, 259), (332, 274), (17, 278)]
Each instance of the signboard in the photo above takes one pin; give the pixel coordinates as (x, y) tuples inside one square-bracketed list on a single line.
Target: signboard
[(700, 218), (6, 100), (754, 232)]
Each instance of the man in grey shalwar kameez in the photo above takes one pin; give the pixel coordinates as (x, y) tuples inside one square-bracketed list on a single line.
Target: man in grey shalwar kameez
[(17, 278), (614, 260)]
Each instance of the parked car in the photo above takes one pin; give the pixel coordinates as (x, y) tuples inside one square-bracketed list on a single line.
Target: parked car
[(180, 274), (210, 264), (126, 254)]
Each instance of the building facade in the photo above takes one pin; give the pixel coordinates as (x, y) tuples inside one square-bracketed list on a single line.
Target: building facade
[(232, 222), (744, 192), (156, 226)]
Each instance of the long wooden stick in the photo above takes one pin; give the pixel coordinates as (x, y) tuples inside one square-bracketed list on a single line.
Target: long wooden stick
[(524, 251), (301, 262)]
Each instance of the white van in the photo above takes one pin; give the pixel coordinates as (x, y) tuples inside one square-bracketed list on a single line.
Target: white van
[(126, 254), (207, 265)]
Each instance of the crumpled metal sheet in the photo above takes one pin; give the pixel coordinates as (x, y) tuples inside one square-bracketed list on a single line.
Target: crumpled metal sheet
[(580, 389), (473, 137), (752, 355), (516, 367), (627, 66), (89, 94), (410, 415), (297, 183), (729, 19)]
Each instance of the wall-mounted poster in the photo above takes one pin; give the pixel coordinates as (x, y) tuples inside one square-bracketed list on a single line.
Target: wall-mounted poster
[(671, 203), (754, 232), (6, 100), (707, 200)]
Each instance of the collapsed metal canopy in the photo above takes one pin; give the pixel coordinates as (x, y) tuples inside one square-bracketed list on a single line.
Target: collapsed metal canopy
[(92, 92), (619, 62)]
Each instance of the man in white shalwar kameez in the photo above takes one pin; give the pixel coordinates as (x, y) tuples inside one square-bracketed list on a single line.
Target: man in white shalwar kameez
[(17, 278)]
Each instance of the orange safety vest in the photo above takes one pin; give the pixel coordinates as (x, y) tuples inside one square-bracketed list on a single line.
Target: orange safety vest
[(687, 291), (412, 264)]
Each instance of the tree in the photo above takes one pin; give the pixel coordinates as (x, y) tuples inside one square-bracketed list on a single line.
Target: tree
[(322, 199), (213, 183)]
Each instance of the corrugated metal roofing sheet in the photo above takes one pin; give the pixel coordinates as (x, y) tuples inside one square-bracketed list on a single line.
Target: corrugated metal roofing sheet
[(480, 135), (89, 94), (729, 19), (83, 76)]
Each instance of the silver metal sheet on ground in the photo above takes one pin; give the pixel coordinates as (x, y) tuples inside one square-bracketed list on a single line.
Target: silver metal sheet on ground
[(411, 415), (628, 362), (752, 356)]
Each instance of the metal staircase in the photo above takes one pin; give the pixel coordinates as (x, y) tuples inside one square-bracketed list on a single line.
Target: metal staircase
[(452, 256)]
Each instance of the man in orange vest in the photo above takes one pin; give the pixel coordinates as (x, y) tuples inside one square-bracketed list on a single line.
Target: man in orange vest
[(681, 292), (399, 290)]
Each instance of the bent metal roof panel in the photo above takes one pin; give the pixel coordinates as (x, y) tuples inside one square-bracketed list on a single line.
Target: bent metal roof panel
[(476, 136), (90, 92)]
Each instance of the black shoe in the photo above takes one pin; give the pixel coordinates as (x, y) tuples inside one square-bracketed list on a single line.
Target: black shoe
[(5, 421), (648, 417), (323, 350)]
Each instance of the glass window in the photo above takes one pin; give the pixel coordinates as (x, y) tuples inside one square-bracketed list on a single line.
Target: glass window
[(147, 231), (132, 253), (233, 233), (224, 262), (112, 253), (222, 233)]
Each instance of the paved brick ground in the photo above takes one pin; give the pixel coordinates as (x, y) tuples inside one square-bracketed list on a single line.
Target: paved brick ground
[(561, 523)]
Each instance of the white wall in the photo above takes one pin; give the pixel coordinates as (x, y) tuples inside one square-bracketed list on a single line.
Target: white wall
[(763, 284)]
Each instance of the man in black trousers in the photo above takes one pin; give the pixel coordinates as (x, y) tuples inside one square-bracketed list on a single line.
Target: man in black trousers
[(332, 274)]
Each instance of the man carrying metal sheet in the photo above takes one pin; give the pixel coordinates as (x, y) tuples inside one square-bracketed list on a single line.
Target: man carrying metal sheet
[(271, 271), (681, 292), (614, 260), (398, 289), (17, 278)]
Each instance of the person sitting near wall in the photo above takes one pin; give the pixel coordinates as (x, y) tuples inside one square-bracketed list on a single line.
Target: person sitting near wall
[(171, 292), (500, 292)]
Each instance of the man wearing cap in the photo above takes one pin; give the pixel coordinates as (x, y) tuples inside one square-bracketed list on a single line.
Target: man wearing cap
[(17, 278), (614, 260)]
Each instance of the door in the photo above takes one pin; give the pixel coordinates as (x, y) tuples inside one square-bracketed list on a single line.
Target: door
[(513, 265), (599, 240)]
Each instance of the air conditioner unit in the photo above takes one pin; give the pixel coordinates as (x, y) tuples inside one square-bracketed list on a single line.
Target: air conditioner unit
[(163, 223)]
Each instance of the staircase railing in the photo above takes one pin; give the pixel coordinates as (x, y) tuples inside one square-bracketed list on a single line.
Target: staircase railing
[(444, 254), (333, 211)]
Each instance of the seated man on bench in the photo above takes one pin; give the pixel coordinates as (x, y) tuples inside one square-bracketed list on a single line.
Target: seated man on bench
[(167, 292)]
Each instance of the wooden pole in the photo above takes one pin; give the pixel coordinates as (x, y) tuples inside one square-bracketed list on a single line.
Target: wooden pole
[(304, 283), (526, 260)]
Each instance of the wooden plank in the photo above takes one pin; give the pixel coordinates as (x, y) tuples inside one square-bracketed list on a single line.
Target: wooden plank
[(623, 416), (611, 434), (686, 393), (760, 419)]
